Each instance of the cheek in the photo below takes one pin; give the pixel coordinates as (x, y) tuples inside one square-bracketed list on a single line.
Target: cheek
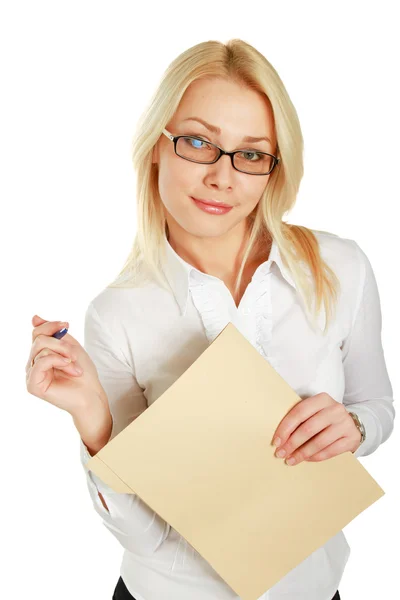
[(253, 195), (175, 183)]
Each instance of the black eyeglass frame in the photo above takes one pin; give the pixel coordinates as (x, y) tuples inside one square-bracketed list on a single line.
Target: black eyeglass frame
[(175, 138)]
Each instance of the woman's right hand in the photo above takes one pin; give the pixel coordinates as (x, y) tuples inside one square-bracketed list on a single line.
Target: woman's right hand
[(56, 381)]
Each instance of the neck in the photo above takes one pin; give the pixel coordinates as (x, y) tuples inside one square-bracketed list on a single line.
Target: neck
[(218, 256)]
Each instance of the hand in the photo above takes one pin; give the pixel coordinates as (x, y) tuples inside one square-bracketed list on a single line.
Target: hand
[(317, 428), (56, 381)]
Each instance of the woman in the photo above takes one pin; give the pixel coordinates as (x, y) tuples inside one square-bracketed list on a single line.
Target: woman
[(218, 157)]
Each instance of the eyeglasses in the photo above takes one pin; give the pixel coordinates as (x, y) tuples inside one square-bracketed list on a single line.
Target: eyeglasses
[(198, 150)]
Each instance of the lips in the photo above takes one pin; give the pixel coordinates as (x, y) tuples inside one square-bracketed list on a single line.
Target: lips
[(212, 202)]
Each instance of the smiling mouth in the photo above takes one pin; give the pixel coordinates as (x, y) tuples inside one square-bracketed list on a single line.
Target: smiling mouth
[(212, 203)]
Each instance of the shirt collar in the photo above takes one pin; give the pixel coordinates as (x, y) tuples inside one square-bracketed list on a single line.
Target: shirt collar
[(178, 272)]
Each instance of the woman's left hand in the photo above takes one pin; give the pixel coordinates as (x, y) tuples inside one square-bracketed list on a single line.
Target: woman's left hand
[(317, 428)]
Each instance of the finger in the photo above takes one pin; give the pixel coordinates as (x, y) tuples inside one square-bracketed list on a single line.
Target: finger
[(72, 368), (309, 430), (330, 451), (37, 373), (61, 346), (317, 445), (36, 320), (42, 328), (48, 328), (300, 412), (45, 341)]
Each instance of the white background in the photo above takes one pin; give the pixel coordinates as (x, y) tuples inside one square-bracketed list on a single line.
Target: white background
[(75, 77)]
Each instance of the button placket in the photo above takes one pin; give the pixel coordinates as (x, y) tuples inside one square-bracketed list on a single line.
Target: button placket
[(263, 308), (210, 306)]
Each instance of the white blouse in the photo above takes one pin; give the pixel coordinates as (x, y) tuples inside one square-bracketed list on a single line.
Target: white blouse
[(143, 339)]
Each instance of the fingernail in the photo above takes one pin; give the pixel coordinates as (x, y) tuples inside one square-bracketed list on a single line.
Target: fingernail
[(78, 370), (276, 442)]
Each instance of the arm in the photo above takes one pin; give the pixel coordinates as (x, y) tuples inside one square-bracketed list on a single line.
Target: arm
[(96, 446), (136, 526), (368, 391)]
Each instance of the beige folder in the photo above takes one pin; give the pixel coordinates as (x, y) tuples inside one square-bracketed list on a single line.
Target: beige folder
[(201, 457)]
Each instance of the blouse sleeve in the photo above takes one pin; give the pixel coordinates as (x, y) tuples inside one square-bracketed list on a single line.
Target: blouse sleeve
[(135, 525), (368, 391)]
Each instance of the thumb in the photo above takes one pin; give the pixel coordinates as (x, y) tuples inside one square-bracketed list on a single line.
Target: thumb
[(36, 320)]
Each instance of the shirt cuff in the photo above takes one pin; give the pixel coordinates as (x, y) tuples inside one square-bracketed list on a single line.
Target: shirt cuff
[(99, 483)]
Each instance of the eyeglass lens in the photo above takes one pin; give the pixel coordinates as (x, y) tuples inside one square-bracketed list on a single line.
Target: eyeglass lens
[(201, 151)]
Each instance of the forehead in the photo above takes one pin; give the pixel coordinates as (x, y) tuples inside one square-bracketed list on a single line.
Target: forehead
[(234, 108)]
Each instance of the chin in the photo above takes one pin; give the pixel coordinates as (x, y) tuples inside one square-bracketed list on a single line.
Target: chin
[(208, 230)]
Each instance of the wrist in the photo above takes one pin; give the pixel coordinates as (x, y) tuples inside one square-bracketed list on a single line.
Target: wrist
[(94, 425)]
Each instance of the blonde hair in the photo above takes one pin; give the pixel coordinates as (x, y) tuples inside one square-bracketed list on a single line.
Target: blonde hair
[(236, 61)]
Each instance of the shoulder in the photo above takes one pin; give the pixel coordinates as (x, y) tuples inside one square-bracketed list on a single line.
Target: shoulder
[(349, 262), (333, 246), (343, 255), (114, 306)]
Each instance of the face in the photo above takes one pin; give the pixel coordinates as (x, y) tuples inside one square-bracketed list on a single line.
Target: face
[(238, 112)]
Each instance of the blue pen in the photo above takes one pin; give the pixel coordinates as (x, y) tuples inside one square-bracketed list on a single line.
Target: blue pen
[(60, 334)]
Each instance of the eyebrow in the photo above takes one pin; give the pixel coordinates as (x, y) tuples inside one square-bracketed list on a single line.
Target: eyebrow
[(217, 130)]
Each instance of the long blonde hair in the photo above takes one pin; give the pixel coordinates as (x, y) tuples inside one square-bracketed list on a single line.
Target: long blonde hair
[(236, 61)]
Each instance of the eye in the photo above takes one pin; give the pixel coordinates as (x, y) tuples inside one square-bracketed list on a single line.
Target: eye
[(195, 142), (247, 152)]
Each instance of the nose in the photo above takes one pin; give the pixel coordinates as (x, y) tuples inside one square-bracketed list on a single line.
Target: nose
[(222, 169)]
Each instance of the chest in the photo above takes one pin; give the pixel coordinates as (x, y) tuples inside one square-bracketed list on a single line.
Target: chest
[(270, 316)]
